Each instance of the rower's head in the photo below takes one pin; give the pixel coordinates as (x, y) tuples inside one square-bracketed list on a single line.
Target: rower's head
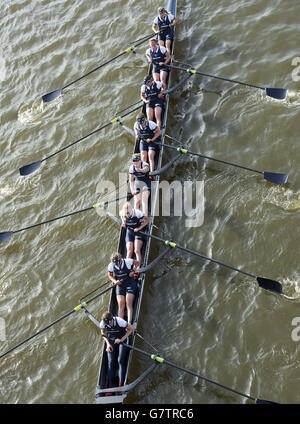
[(141, 119), (162, 12), (148, 80), (153, 44), (126, 210), (116, 259), (136, 158), (107, 317)]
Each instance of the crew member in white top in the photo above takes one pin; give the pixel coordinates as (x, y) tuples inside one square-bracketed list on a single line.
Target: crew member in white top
[(159, 56), (121, 273), (152, 95), (163, 25), (134, 221)]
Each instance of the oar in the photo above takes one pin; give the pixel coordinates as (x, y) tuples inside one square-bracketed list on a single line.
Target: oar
[(54, 94), (272, 177), (275, 93), (161, 360), (4, 236), (264, 283), (77, 308), (29, 169)]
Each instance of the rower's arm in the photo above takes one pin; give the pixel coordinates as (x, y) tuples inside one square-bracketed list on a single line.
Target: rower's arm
[(146, 220), (143, 97), (131, 183), (157, 134), (155, 28), (112, 278), (104, 335), (129, 329), (168, 58), (175, 20)]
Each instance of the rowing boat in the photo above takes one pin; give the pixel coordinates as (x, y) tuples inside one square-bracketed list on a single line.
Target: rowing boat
[(119, 394)]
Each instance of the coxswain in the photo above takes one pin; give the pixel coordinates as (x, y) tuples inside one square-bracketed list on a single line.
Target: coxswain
[(115, 330), (152, 95), (163, 25), (159, 56), (134, 221), (146, 132)]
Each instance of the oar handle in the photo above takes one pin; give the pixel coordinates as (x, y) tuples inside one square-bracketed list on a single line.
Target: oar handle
[(183, 150), (92, 133), (77, 308), (53, 219), (95, 69), (193, 71), (129, 49), (77, 141), (37, 333), (184, 249), (161, 360)]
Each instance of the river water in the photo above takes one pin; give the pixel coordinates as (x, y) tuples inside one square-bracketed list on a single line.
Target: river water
[(199, 315)]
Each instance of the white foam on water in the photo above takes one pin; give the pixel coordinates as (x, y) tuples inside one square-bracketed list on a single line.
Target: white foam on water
[(284, 198), (33, 114)]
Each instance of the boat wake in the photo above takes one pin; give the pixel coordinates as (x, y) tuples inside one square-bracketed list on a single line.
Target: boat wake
[(35, 113), (283, 198), (291, 289)]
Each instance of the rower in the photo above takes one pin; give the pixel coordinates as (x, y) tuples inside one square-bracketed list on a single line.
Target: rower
[(159, 56), (140, 183), (134, 221), (147, 132), (163, 25), (121, 273), (115, 331), (152, 95)]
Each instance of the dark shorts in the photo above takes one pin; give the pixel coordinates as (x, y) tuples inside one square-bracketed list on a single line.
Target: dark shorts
[(155, 103), (157, 69), (131, 236), (129, 286), (166, 36), (144, 146), (142, 185)]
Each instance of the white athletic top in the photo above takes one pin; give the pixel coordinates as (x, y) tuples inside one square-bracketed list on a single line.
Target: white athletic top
[(120, 321), (131, 171), (152, 125), (162, 49), (128, 262), (170, 16), (158, 85)]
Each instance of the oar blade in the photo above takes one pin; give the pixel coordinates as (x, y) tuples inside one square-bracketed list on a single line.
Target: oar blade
[(5, 236), (276, 178), (276, 93), (28, 169), (263, 401), (51, 96), (270, 285)]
